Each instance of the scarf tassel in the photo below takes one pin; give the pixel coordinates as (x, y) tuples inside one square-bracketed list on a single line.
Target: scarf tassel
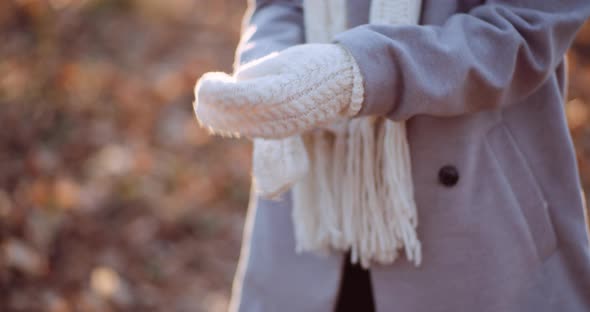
[(356, 194)]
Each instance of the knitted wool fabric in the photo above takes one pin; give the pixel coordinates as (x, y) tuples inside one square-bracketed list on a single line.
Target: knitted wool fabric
[(358, 194), (283, 94), (352, 185)]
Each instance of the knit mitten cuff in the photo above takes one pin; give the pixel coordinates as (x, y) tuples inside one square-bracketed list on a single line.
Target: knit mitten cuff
[(358, 91)]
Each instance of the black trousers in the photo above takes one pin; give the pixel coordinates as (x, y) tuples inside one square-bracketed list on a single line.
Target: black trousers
[(356, 293)]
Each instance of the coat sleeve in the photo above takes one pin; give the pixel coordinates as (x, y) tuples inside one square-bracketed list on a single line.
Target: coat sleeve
[(495, 55), (269, 26)]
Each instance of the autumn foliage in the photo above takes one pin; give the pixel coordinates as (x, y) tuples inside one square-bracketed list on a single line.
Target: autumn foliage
[(111, 197)]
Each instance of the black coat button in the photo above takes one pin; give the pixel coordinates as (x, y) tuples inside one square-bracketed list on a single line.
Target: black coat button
[(448, 175)]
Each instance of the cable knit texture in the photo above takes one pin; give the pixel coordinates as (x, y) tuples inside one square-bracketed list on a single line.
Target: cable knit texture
[(282, 94), (351, 178)]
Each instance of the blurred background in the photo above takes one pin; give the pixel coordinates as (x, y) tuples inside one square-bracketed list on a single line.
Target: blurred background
[(111, 197)]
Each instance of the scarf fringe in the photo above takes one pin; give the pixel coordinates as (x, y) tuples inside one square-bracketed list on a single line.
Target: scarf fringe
[(356, 194)]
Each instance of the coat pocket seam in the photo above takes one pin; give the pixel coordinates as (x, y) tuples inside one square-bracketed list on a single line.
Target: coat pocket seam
[(524, 187)]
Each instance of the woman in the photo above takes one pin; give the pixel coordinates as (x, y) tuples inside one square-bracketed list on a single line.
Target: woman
[(478, 86)]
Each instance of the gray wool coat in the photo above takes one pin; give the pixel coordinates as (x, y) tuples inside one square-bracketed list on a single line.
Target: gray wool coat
[(481, 85)]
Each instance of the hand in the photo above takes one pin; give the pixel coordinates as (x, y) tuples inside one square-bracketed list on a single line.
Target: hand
[(282, 94)]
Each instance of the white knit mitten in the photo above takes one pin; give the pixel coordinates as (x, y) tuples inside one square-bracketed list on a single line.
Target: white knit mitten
[(282, 94)]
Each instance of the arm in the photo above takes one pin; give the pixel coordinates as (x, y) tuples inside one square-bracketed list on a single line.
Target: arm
[(269, 26), (496, 55), (276, 95)]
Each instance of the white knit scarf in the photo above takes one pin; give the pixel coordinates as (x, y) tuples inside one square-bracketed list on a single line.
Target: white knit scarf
[(353, 186)]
